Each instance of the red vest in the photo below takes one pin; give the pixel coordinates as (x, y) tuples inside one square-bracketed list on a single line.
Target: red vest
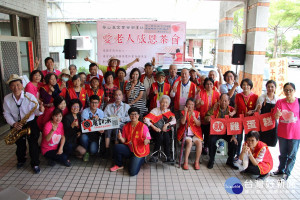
[(178, 94), (155, 118), (144, 75), (99, 93), (135, 136), (117, 83), (167, 80), (179, 57), (154, 97), (190, 123), (82, 95), (266, 164), (204, 97), (110, 69), (241, 103)]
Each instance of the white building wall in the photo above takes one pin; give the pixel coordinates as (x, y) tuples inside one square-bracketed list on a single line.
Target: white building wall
[(36, 8)]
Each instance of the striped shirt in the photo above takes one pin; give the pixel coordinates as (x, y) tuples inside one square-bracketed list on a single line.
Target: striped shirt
[(140, 104)]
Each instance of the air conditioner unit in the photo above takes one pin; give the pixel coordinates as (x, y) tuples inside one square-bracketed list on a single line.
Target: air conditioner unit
[(83, 42)]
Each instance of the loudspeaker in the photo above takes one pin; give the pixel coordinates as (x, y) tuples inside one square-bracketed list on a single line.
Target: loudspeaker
[(238, 54), (70, 48)]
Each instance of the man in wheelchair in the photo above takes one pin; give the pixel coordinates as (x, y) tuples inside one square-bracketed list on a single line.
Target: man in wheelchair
[(160, 120)]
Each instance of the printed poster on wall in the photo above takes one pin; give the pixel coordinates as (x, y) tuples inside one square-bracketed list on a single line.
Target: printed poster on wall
[(128, 40)]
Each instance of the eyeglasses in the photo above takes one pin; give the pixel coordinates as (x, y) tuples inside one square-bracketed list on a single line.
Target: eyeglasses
[(288, 90)]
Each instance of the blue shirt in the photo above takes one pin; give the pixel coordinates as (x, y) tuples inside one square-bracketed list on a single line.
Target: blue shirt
[(87, 114), (224, 88)]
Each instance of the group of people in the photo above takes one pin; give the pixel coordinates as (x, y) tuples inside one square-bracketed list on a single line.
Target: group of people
[(147, 106)]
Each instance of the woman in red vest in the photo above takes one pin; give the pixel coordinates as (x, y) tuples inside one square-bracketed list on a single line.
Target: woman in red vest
[(260, 158), (50, 90), (120, 81), (158, 89), (135, 139), (77, 92), (245, 103), (94, 89), (204, 102), (190, 127)]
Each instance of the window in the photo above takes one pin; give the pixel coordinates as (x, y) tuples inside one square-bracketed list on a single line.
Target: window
[(55, 56)]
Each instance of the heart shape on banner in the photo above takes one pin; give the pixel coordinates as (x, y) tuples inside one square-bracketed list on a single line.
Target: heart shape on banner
[(175, 28)]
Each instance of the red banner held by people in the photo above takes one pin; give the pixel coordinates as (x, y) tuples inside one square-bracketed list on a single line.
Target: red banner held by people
[(251, 123), (234, 125), (217, 126), (267, 122)]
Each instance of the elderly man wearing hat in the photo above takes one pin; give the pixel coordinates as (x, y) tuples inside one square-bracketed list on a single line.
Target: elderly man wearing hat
[(113, 64), (158, 89), (16, 106)]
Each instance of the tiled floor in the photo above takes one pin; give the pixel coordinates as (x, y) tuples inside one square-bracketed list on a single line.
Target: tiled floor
[(92, 180)]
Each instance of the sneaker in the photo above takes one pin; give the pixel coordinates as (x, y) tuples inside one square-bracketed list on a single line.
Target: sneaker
[(116, 168), (277, 173), (284, 177), (86, 157), (67, 163), (20, 165), (36, 169), (220, 150), (210, 165)]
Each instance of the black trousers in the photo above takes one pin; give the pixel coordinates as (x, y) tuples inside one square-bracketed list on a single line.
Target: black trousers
[(205, 131), (240, 140), (251, 169), (213, 147), (52, 154), (32, 142), (161, 139)]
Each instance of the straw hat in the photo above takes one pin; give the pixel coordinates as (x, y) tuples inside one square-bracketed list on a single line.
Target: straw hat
[(65, 71), (113, 58), (14, 77)]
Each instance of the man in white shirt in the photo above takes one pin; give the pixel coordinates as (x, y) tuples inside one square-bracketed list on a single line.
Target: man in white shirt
[(116, 109), (16, 106)]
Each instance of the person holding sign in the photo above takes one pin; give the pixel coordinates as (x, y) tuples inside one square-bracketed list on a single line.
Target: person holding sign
[(219, 110), (90, 140), (265, 103), (116, 109), (190, 127), (135, 139), (245, 103), (287, 111)]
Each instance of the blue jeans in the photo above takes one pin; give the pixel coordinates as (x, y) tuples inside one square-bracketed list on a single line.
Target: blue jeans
[(288, 150), (90, 145), (123, 151)]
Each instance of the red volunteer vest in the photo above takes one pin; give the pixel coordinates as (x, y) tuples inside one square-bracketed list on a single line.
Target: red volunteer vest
[(244, 106), (135, 136), (82, 95), (179, 57), (99, 93), (204, 97), (154, 86), (178, 94), (190, 123), (267, 163), (155, 118)]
